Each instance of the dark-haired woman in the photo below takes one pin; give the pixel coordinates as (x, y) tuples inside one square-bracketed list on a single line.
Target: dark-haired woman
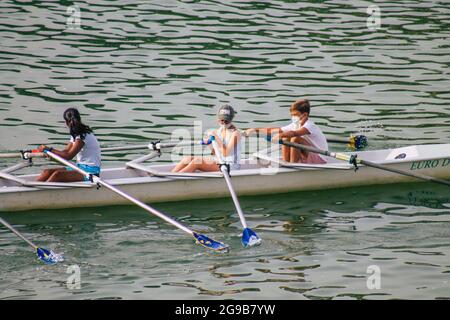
[(301, 130), (83, 144)]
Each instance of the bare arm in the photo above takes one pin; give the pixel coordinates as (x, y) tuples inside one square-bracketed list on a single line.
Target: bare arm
[(71, 150), (68, 147), (290, 134), (296, 133), (266, 131)]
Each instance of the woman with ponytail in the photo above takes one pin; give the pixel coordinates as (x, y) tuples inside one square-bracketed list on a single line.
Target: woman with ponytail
[(83, 144)]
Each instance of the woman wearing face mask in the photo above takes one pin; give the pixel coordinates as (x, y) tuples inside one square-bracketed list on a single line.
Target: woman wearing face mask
[(83, 144), (228, 139), (301, 130)]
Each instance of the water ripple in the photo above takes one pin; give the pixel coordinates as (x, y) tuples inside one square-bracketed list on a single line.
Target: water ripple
[(138, 70)]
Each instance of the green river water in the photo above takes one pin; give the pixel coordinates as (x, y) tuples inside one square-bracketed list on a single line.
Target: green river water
[(138, 70)]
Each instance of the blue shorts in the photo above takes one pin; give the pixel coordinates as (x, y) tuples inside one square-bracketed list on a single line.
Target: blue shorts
[(89, 169)]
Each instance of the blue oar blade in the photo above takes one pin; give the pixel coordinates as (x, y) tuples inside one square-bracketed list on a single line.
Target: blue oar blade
[(250, 238), (210, 243), (48, 256), (360, 142)]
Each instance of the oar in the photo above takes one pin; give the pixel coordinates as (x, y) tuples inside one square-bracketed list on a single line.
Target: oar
[(249, 237), (357, 142), (353, 159), (157, 145), (24, 154), (201, 239), (45, 255)]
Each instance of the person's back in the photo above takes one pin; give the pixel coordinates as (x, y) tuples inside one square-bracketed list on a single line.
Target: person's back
[(83, 144), (315, 137), (90, 154)]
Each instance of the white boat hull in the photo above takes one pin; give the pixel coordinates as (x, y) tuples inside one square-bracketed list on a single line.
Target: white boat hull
[(251, 180)]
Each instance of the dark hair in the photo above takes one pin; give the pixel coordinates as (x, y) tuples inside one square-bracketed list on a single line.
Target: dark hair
[(73, 120), (301, 106)]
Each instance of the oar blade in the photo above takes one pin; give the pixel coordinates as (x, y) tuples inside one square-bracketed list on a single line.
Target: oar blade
[(210, 243), (48, 256), (250, 238), (358, 142)]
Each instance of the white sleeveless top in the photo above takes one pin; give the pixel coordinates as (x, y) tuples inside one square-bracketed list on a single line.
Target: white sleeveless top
[(234, 157), (90, 154)]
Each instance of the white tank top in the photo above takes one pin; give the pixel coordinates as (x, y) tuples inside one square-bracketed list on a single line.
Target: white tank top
[(234, 157), (90, 154)]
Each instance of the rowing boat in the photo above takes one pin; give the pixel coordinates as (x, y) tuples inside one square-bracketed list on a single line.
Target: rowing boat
[(262, 173)]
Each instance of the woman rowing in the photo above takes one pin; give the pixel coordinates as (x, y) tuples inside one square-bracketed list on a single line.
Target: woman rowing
[(83, 144), (228, 139), (301, 130)]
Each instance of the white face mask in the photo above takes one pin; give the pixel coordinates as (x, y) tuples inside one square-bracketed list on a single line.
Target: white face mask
[(225, 126), (295, 119)]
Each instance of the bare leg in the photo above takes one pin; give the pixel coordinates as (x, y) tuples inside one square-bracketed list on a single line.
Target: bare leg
[(182, 164), (66, 176), (202, 165), (286, 153), (304, 156), (296, 154), (47, 173)]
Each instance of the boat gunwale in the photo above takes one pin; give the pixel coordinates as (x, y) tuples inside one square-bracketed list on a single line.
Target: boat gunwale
[(148, 178)]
